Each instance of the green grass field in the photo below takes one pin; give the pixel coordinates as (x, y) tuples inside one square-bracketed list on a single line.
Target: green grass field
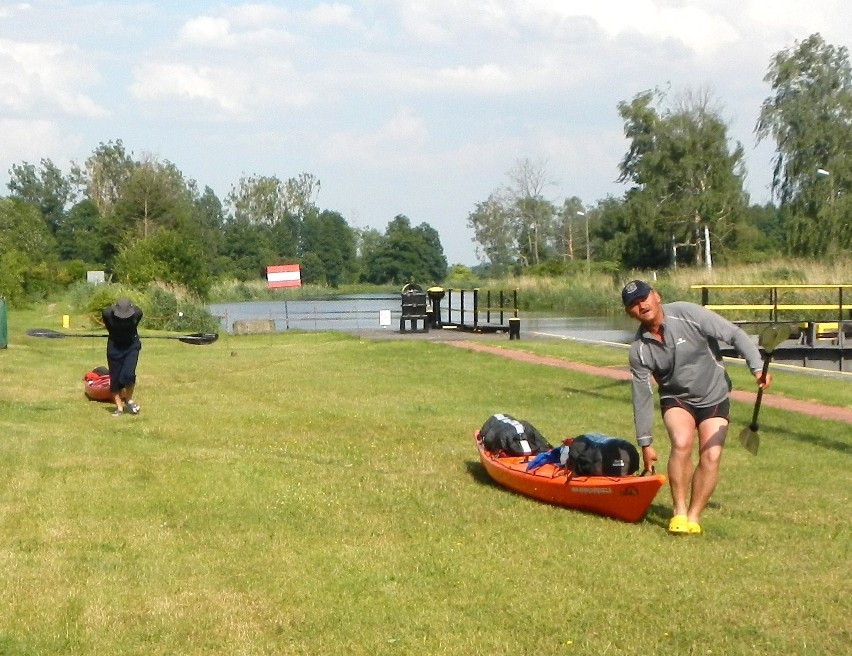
[(320, 494)]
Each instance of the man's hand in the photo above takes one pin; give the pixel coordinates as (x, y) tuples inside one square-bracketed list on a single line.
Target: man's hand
[(761, 382), (649, 457)]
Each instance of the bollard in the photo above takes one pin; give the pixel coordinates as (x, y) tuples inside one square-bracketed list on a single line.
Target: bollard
[(514, 328), (435, 295), (66, 321), (4, 328)]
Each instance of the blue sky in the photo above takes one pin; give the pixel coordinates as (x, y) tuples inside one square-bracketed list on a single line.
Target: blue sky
[(408, 107)]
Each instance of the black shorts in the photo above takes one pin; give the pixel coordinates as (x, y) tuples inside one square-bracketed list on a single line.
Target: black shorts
[(722, 410)]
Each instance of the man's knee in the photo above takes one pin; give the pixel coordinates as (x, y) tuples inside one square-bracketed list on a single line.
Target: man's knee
[(710, 456)]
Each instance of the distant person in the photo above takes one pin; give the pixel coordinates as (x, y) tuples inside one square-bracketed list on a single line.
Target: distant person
[(123, 346), (677, 345)]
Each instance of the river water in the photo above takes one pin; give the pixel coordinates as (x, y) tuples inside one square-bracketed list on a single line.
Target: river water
[(368, 312), (371, 313)]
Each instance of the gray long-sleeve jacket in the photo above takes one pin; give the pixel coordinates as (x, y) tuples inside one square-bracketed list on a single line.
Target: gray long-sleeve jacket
[(688, 366)]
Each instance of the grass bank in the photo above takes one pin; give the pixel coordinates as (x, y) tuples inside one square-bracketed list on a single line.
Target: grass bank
[(320, 494), (598, 293)]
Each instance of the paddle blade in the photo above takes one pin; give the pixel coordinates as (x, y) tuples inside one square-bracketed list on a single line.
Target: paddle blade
[(199, 338), (750, 439), (44, 332), (773, 335)]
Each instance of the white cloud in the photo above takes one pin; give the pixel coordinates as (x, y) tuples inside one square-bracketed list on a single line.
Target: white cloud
[(332, 15), (466, 79), (24, 140), (250, 27), (206, 30), (40, 77), (400, 138), (255, 15), (700, 26), (12, 9), (185, 82), (232, 91)]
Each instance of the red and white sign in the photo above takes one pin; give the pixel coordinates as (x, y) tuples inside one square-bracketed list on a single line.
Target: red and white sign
[(283, 275)]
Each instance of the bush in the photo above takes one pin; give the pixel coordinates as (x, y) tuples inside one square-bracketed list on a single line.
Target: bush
[(164, 309)]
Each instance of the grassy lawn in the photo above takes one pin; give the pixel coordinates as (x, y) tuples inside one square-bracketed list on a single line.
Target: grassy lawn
[(320, 494), (834, 388)]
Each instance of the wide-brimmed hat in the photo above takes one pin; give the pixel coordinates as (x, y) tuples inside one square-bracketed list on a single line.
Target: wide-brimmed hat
[(635, 290), (123, 308)]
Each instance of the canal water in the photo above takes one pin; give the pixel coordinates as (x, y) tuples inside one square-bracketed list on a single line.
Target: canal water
[(372, 313), (368, 312)]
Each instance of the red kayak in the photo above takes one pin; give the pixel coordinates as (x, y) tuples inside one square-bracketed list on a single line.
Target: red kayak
[(625, 497), (96, 384)]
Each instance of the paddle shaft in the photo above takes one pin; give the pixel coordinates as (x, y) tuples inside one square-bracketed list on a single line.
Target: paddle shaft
[(771, 338), (753, 425), (195, 338)]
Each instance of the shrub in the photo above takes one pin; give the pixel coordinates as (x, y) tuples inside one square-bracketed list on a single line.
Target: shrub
[(164, 308)]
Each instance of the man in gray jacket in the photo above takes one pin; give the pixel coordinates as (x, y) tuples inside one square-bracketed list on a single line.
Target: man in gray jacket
[(677, 345)]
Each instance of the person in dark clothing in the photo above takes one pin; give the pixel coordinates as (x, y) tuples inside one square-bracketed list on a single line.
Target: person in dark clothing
[(677, 346), (123, 346)]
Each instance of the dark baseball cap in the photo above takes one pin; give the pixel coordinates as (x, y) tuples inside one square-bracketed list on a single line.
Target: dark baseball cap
[(635, 290)]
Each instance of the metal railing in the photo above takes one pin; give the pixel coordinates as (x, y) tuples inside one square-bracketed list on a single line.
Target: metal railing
[(775, 306), (464, 308)]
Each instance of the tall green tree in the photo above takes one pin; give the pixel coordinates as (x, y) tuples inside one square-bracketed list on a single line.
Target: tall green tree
[(44, 187), (517, 224), (247, 249), (209, 216), (103, 174), (809, 116), (406, 255), (281, 205), (333, 242), (154, 228), (493, 231), (632, 232), (166, 256), (82, 235), (684, 172), (568, 234), (27, 251), (258, 199), (368, 242), (154, 197), (532, 214)]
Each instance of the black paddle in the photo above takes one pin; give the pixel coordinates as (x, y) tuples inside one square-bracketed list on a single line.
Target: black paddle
[(771, 337), (194, 338)]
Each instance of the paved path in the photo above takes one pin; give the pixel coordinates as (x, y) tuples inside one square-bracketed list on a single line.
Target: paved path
[(833, 413)]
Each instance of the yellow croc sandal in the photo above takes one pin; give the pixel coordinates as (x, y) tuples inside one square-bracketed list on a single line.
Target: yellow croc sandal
[(693, 528), (678, 525)]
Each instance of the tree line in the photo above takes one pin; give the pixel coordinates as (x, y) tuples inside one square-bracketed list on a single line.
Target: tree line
[(685, 203), (141, 220)]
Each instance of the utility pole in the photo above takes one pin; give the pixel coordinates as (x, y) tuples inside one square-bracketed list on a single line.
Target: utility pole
[(588, 247), (707, 257)]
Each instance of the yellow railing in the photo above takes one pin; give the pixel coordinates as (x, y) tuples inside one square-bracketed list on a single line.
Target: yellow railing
[(774, 306)]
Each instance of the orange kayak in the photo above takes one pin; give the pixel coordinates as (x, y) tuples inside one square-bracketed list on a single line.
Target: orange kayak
[(96, 384), (625, 497)]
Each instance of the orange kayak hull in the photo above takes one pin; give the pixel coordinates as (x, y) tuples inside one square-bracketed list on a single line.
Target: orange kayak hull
[(96, 384), (626, 498)]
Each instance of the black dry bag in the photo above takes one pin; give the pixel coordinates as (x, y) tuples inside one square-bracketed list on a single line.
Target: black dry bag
[(503, 433), (593, 454)]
